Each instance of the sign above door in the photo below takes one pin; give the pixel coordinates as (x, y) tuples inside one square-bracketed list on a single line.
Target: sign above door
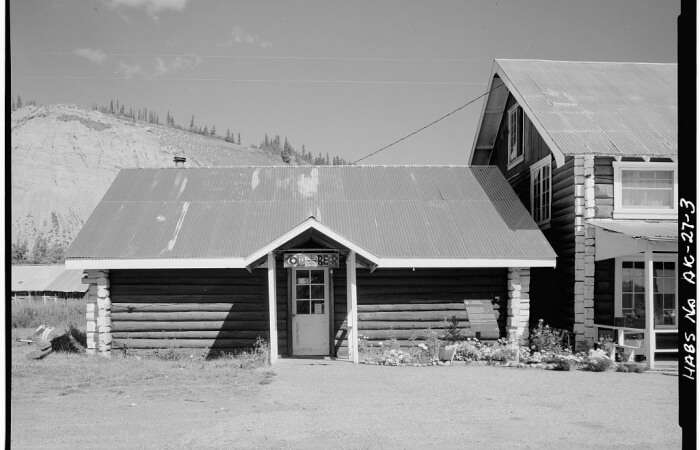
[(311, 260)]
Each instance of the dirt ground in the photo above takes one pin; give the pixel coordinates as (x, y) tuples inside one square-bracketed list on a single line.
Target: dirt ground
[(73, 401)]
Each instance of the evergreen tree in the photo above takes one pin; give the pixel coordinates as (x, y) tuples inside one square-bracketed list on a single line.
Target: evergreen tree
[(19, 102), (192, 123), (20, 252), (213, 130), (239, 139)]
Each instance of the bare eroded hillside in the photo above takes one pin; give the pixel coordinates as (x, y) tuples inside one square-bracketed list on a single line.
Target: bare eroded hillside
[(65, 157)]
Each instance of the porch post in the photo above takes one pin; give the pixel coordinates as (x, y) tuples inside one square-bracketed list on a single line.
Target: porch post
[(351, 266), (272, 304), (649, 307)]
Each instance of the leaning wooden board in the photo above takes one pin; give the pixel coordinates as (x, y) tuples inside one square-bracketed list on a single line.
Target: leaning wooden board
[(482, 319)]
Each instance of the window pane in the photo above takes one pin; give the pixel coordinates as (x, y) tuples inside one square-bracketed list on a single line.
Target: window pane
[(639, 301), (519, 150), (317, 276), (626, 264), (647, 189), (317, 291), (627, 301), (303, 291), (317, 306), (626, 284), (303, 307), (670, 301), (659, 198), (302, 277)]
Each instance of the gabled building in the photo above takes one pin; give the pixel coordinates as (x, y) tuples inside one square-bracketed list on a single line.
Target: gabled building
[(309, 258), (46, 283), (590, 149)]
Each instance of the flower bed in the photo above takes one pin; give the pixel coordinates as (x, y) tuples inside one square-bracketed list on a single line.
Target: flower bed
[(547, 348)]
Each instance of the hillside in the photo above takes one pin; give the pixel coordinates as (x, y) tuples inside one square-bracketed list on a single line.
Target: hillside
[(65, 157)]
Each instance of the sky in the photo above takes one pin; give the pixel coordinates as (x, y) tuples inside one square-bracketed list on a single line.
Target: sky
[(341, 77)]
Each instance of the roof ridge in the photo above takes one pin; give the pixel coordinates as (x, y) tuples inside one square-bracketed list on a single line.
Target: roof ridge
[(278, 166), (586, 62)]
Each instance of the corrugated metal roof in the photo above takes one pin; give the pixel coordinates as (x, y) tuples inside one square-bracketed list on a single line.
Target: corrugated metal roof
[(390, 211), (54, 277), (68, 281), (654, 230), (610, 108)]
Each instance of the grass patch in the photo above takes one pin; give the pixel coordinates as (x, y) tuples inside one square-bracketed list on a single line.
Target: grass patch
[(55, 314), (67, 374)]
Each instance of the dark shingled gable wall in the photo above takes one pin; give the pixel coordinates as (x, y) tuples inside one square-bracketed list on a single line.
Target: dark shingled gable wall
[(551, 290)]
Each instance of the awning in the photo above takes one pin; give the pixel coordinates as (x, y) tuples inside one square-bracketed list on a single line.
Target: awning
[(616, 237)]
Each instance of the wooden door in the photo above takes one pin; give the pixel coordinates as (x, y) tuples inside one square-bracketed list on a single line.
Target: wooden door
[(310, 312)]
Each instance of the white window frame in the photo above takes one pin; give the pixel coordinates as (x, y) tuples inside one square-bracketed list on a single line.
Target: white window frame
[(519, 139), (646, 213), (544, 162), (657, 257)]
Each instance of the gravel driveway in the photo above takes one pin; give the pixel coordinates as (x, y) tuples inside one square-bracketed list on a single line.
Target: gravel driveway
[(333, 404)]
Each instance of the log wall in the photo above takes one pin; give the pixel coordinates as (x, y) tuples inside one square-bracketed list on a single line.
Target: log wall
[(403, 304), (604, 305), (221, 309), (603, 171)]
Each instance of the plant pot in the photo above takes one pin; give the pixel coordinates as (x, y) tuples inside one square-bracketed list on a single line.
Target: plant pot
[(447, 353)]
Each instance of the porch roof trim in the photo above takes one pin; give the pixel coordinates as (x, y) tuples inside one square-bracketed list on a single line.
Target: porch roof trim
[(616, 237)]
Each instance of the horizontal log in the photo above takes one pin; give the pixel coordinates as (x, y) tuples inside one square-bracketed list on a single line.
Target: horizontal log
[(399, 325), (455, 306), (189, 281), (404, 334), (183, 343), (411, 316), (189, 298), (371, 298), (189, 316), (187, 307), (427, 283), (178, 289), (200, 334), (195, 325)]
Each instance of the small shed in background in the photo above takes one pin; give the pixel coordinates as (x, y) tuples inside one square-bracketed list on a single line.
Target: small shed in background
[(34, 282)]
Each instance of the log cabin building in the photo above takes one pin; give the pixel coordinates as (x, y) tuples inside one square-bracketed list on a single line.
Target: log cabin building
[(590, 148), (308, 258)]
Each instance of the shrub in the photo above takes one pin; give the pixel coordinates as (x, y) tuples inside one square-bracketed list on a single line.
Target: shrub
[(597, 363), (544, 338), (631, 367), (469, 350), (432, 341), (452, 331)]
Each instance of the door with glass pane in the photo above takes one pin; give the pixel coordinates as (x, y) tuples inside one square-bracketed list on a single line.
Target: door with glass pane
[(310, 326)]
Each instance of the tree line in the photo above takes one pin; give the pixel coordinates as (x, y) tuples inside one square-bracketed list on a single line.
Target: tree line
[(290, 154), (17, 103)]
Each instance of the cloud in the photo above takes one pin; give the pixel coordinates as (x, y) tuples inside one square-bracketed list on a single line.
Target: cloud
[(161, 66), (91, 54), (241, 36), (181, 62), (152, 6), (128, 70)]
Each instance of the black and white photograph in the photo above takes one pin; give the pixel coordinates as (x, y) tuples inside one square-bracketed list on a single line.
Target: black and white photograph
[(326, 224)]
